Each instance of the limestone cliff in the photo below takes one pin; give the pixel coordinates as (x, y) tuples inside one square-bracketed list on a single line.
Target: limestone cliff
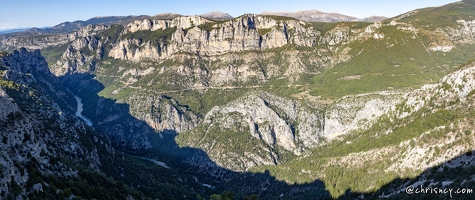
[(197, 34), (358, 112), (163, 114), (159, 40)]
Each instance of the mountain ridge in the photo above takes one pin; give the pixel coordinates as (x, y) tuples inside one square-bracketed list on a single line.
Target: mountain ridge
[(66, 27), (318, 16), (217, 15)]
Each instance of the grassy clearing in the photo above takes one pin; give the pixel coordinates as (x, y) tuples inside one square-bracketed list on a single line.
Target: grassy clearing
[(445, 16), (400, 60), (54, 53)]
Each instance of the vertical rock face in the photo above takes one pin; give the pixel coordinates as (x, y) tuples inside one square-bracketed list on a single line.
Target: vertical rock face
[(74, 59), (44, 146), (201, 53), (195, 53), (159, 40), (195, 34), (163, 114), (358, 112), (199, 34), (263, 122), (153, 24), (465, 33)]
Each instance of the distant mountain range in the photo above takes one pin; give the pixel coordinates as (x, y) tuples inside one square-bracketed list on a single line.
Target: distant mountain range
[(216, 15), (65, 27), (317, 16), (5, 30)]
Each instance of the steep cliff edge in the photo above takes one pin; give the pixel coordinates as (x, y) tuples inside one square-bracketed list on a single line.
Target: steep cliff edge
[(47, 152), (35, 121)]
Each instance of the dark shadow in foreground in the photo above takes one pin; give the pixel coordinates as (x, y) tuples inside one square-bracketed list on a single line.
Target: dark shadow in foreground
[(453, 179)]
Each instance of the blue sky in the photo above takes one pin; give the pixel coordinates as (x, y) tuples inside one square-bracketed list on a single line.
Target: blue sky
[(34, 13)]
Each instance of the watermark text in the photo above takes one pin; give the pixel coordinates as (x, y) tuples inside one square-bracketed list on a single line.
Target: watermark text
[(437, 190)]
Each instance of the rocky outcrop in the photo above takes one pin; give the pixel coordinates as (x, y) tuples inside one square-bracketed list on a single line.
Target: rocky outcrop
[(163, 114), (264, 123), (74, 59), (181, 22), (464, 34), (45, 149), (195, 43), (358, 112)]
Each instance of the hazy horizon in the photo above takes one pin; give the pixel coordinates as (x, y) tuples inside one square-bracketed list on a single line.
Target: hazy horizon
[(42, 14)]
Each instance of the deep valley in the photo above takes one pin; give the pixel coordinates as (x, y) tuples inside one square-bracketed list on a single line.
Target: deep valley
[(259, 106)]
